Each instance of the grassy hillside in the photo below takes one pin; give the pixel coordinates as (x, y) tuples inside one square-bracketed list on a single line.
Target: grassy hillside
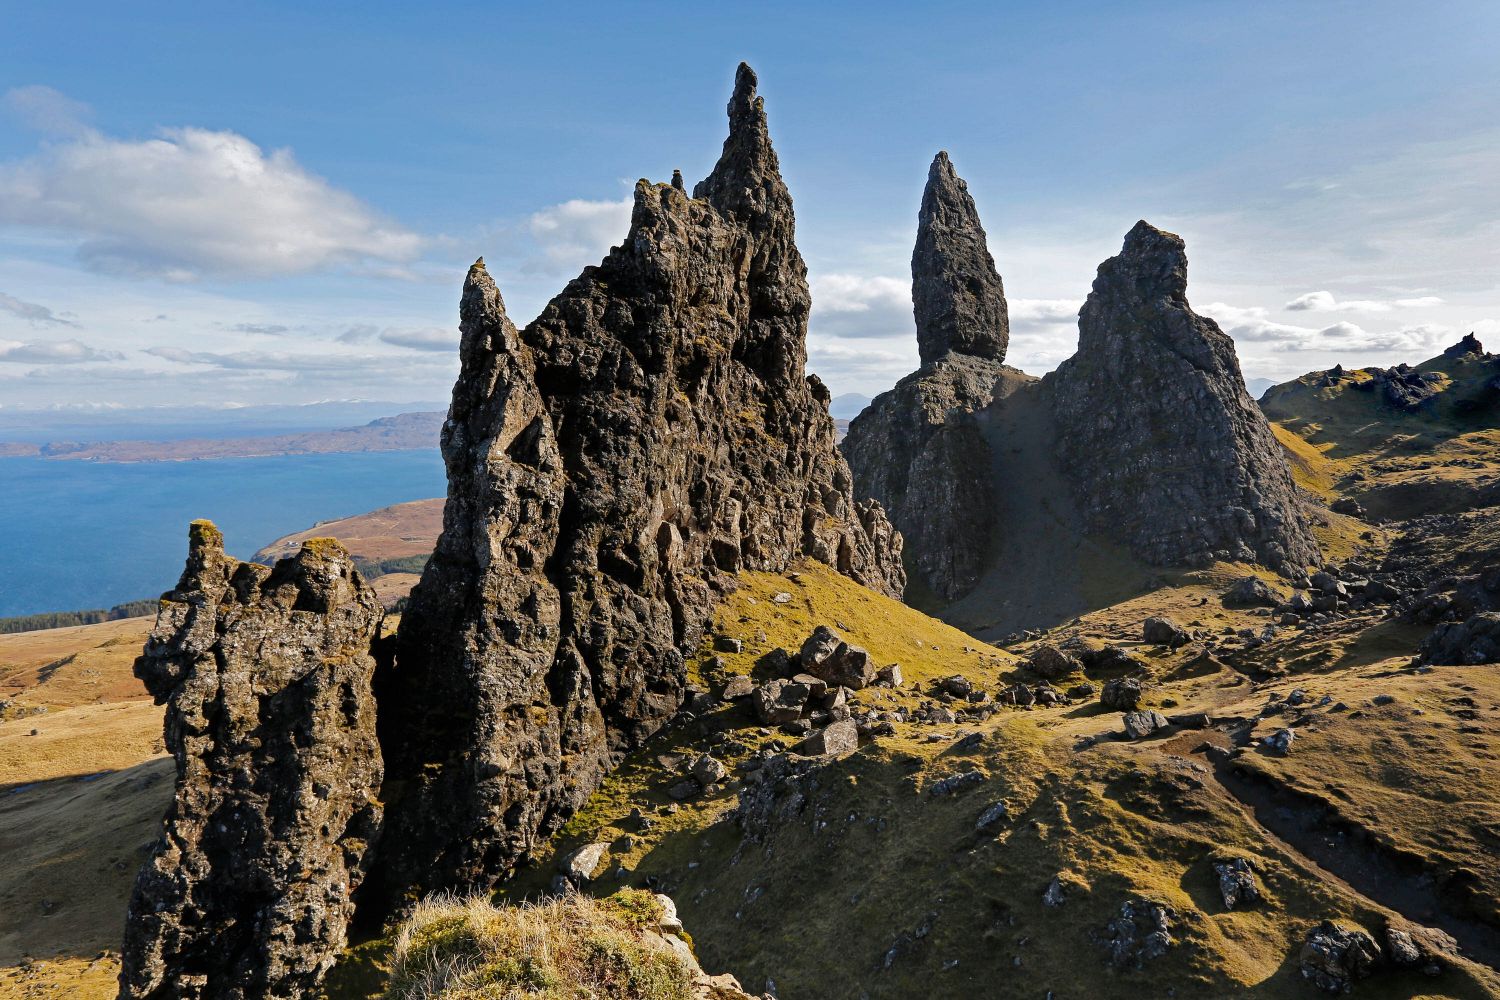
[(1344, 438), (875, 886)]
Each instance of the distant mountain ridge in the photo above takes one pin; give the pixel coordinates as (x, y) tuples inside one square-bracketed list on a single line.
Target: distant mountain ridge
[(404, 431)]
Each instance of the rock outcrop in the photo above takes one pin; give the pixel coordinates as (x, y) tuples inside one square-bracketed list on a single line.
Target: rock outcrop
[(648, 434), (1165, 448), (265, 674), (957, 295), (917, 448)]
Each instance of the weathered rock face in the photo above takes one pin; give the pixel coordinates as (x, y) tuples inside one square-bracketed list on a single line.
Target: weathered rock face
[(1165, 449), (917, 448), (957, 295), (266, 677), (648, 433)]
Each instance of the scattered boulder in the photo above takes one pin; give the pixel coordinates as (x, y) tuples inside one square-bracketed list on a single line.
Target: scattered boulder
[(1054, 896), (708, 770), (956, 783), (1252, 592), (578, 866), (780, 701), (1237, 883), (992, 816), (1472, 641), (739, 686), (1164, 632), (890, 676), (836, 738), (724, 644), (827, 656), (1139, 725), (957, 685), (1334, 958), (1052, 663), (1122, 694), (1141, 933), (1279, 742)]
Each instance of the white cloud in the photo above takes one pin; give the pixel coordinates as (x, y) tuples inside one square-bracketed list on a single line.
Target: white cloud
[(272, 360), (36, 315), (853, 293), (430, 339), (1044, 310), (56, 352), (47, 110), (192, 202), (1324, 301), (577, 233)]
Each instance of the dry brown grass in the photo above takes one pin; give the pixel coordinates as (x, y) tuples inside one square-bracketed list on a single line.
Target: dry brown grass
[(405, 529), (83, 665), (571, 948)]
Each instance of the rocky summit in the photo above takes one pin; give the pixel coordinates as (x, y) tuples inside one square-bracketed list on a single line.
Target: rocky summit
[(265, 674), (957, 295), (1165, 448), (917, 448), (610, 467)]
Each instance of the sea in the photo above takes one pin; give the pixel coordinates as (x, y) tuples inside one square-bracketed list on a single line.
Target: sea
[(77, 535)]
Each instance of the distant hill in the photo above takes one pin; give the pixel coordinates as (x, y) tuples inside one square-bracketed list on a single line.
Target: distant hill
[(846, 406), (1257, 386), (1402, 441), (390, 545), (405, 431)]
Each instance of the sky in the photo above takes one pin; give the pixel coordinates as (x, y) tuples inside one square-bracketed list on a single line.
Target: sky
[(276, 203)]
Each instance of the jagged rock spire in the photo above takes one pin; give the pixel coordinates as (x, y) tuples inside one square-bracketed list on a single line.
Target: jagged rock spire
[(957, 295), (1167, 451), (266, 678), (1469, 345), (649, 433)]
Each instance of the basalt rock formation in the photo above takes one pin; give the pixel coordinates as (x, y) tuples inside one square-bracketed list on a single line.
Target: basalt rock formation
[(266, 675), (648, 434), (957, 295), (917, 448), (1165, 449)]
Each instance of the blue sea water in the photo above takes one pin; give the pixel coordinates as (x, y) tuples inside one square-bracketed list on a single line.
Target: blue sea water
[(77, 535)]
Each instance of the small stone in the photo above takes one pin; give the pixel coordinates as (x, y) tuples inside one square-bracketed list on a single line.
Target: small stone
[(992, 816), (724, 644), (1139, 725), (579, 866)]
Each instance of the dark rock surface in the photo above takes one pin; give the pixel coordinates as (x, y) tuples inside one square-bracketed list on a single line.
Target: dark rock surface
[(265, 673), (917, 449), (1165, 448), (1470, 642), (648, 434), (957, 295)]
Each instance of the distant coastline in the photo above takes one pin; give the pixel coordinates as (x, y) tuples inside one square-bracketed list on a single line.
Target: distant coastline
[(402, 432)]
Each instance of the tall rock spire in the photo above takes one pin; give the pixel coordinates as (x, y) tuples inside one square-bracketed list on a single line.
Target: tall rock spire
[(609, 467), (1166, 450), (957, 295)]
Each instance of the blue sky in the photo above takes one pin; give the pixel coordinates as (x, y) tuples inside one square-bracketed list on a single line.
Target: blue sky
[(266, 202)]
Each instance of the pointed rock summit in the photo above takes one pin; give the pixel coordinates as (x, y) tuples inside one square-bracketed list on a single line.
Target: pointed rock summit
[(957, 296), (266, 678), (610, 468), (1165, 448), (917, 449)]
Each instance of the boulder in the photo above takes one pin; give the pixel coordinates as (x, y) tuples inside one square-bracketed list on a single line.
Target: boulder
[(578, 867), (1237, 883), (1334, 958), (836, 738), (1472, 641), (707, 770), (1052, 663), (827, 656), (739, 686), (1142, 932), (1252, 592), (1164, 632), (780, 701), (1139, 725), (1122, 694)]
